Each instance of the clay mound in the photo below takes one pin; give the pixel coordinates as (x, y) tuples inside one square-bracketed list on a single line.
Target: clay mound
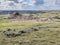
[(16, 15)]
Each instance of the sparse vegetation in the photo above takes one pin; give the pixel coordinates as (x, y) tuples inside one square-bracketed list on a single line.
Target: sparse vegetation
[(31, 32)]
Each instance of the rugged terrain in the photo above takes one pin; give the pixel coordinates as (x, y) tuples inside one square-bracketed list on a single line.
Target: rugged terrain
[(45, 30)]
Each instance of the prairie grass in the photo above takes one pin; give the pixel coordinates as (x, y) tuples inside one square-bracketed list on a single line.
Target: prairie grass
[(44, 36)]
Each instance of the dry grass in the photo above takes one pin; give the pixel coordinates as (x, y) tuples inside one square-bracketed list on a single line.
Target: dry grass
[(44, 36)]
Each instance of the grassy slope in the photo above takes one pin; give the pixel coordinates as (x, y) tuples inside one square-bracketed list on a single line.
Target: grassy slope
[(45, 36), (16, 24), (42, 37)]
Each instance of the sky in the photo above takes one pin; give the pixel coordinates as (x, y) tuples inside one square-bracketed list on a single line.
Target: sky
[(29, 4)]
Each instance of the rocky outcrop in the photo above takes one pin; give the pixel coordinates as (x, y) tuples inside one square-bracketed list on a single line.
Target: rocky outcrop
[(22, 17)]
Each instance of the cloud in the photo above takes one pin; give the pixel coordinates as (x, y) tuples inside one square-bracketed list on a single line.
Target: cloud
[(30, 5)]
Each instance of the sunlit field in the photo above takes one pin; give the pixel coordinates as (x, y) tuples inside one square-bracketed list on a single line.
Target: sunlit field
[(45, 32)]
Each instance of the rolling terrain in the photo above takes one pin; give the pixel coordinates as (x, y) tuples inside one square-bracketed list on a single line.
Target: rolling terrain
[(44, 31)]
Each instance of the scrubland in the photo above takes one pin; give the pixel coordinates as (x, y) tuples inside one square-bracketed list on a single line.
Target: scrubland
[(47, 34)]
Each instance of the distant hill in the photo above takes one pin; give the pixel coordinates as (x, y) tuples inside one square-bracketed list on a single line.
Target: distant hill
[(20, 11)]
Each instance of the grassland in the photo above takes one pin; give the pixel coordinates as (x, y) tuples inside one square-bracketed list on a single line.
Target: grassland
[(44, 36)]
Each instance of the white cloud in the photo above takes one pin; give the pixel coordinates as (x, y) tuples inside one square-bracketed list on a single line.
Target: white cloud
[(48, 5), (20, 0)]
